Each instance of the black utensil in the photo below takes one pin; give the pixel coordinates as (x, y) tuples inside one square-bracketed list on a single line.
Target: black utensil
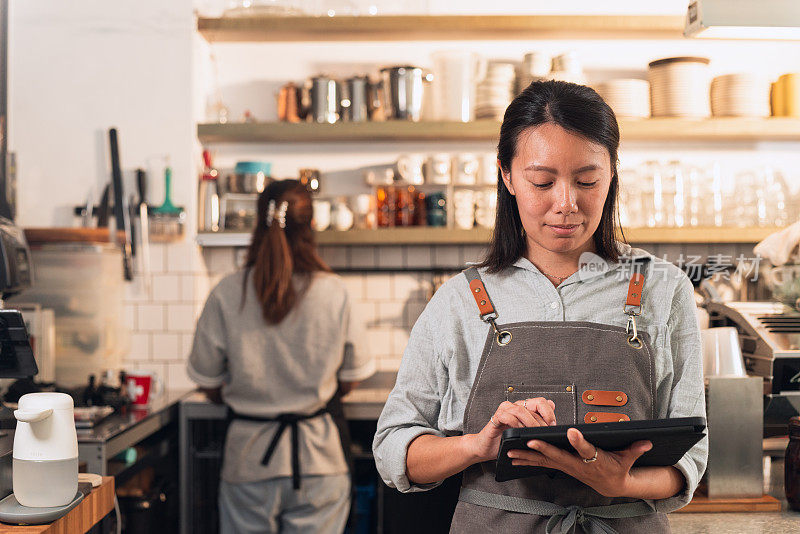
[(121, 214), (105, 207)]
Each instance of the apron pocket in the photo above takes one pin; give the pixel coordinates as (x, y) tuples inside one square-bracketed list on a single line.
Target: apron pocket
[(563, 396)]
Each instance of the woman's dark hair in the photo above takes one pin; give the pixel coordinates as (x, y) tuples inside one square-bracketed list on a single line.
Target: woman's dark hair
[(276, 254), (578, 109)]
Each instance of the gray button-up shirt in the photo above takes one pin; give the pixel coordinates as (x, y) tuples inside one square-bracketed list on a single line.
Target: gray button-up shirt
[(270, 369), (441, 360)]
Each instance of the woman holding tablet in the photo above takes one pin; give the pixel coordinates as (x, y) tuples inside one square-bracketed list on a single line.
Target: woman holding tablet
[(561, 324)]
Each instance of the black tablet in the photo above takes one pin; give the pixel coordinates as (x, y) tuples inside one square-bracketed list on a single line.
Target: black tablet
[(671, 439)]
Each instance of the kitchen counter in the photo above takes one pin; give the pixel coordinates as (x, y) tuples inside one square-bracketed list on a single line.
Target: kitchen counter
[(785, 521), (120, 431), (94, 507)]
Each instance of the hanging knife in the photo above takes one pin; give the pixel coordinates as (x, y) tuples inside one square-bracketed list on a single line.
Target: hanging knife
[(105, 207), (120, 211), (144, 222)]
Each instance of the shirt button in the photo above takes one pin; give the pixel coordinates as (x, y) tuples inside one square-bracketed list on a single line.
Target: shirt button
[(554, 305)]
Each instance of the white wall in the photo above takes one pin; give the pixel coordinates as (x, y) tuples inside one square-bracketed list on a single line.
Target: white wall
[(77, 68)]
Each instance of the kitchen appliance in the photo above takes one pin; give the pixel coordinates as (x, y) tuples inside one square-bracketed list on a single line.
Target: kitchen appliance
[(769, 335), (45, 458), (15, 263), (403, 91)]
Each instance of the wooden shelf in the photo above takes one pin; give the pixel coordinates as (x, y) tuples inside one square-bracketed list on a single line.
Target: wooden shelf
[(660, 129), (439, 27), (477, 236)]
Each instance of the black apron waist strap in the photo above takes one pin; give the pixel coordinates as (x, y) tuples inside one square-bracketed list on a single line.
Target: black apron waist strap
[(289, 420)]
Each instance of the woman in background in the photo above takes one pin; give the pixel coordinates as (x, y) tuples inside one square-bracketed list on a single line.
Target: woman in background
[(275, 341)]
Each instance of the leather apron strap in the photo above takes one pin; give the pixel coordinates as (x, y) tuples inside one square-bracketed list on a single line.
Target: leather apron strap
[(289, 420), (589, 519)]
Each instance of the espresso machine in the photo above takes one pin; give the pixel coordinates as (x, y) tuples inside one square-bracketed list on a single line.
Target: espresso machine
[(769, 335)]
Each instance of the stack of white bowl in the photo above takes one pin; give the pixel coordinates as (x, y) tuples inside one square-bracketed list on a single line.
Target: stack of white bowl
[(679, 87), (495, 91), (628, 97), (740, 95), (535, 67)]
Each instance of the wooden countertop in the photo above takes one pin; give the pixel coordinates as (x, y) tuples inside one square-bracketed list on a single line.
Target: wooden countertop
[(88, 513)]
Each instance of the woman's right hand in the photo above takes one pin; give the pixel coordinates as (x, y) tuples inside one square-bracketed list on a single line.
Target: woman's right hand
[(538, 411)]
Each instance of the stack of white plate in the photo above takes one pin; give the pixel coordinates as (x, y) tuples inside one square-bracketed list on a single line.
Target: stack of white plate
[(740, 95), (628, 97), (679, 87), (535, 67), (495, 91)]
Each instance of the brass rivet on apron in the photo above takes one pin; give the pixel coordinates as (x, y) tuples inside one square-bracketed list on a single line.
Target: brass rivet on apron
[(503, 338), (477, 290), (590, 397), (510, 389), (569, 388), (636, 282), (634, 295), (593, 419), (619, 398), (635, 342), (483, 303)]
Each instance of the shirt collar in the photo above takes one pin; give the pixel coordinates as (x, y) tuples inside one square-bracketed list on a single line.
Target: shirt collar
[(626, 253)]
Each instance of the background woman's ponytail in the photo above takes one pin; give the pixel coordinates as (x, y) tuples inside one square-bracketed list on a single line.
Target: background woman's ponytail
[(282, 246)]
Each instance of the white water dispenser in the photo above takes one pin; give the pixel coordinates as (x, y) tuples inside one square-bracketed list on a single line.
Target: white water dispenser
[(45, 458)]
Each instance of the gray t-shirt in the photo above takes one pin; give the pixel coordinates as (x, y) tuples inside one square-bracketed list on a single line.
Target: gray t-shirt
[(290, 367), (445, 347)]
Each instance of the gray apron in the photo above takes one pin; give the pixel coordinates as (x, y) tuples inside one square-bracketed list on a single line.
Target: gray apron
[(593, 373)]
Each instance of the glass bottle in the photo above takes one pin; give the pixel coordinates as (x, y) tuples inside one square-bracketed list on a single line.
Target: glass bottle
[(792, 467)]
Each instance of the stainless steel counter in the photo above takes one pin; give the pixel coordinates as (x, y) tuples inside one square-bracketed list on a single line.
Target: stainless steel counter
[(120, 431)]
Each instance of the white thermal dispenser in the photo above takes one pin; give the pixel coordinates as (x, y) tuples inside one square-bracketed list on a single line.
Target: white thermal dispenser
[(45, 459)]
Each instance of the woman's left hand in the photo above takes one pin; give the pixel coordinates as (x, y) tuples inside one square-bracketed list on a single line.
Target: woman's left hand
[(609, 475)]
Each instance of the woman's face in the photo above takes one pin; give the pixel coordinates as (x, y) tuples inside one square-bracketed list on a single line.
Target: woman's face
[(560, 181)]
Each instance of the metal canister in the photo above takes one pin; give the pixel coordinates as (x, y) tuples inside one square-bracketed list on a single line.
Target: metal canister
[(403, 92), (354, 99), (324, 99)]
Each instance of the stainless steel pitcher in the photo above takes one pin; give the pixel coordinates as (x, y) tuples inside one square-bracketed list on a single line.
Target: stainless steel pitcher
[(403, 92), (354, 99), (324, 99)]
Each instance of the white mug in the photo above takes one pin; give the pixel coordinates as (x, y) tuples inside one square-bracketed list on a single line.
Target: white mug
[(438, 168), (322, 214), (465, 171), (409, 167)]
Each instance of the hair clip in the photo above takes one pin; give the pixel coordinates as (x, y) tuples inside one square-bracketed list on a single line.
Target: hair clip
[(270, 212), (281, 215)]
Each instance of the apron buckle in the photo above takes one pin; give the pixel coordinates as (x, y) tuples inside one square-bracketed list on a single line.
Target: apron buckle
[(632, 332)]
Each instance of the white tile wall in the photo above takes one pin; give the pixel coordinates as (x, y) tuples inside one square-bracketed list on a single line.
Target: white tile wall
[(387, 300)]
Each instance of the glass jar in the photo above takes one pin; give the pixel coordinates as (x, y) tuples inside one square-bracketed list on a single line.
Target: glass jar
[(792, 468)]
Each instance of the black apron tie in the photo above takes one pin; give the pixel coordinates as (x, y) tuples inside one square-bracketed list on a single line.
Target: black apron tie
[(286, 420)]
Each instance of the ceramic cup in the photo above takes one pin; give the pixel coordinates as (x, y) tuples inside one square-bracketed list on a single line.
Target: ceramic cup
[(322, 215)]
